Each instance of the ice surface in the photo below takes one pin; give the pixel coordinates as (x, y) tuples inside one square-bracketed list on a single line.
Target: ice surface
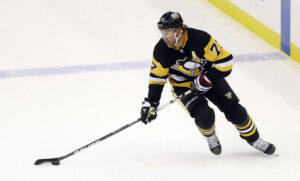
[(52, 115)]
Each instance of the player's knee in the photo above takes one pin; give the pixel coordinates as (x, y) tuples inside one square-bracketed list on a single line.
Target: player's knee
[(204, 116), (236, 114)]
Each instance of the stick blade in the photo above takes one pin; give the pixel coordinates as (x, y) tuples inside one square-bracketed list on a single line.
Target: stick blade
[(53, 161)]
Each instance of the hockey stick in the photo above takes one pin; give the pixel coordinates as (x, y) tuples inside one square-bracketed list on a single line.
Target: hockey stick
[(56, 161)]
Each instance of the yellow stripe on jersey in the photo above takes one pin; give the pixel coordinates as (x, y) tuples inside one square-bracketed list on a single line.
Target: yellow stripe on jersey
[(158, 70), (223, 69), (184, 84), (157, 83), (225, 66), (214, 51)]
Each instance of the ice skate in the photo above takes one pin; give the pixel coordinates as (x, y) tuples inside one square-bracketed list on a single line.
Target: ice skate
[(214, 144), (263, 146)]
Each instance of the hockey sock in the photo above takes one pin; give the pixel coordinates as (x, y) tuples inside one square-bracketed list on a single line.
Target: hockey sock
[(207, 132), (248, 130)]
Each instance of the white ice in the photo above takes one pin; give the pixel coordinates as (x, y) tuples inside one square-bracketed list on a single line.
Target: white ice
[(50, 116)]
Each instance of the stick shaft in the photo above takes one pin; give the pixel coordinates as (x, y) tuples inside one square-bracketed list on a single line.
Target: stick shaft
[(121, 129)]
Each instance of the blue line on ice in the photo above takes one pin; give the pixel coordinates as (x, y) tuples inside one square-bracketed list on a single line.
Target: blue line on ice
[(36, 72)]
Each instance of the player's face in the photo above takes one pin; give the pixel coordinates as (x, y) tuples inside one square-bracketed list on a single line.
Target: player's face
[(168, 36)]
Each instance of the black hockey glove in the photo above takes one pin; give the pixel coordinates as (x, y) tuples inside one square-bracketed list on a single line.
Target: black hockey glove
[(201, 85), (148, 111)]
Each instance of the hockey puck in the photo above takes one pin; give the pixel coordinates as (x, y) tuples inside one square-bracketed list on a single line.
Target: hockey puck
[(55, 162)]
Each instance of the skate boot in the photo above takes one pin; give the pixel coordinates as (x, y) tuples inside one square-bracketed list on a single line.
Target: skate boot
[(263, 146), (214, 144)]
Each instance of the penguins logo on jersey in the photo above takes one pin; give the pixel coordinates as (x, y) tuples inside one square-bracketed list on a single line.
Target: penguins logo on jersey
[(187, 63), (190, 66)]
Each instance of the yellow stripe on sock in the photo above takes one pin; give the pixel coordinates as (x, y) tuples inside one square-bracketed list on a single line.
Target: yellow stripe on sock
[(244, 127), (251, 133), (207, 132)]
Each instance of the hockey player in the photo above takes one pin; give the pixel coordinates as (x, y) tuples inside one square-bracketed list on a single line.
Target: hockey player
[(192, 59)]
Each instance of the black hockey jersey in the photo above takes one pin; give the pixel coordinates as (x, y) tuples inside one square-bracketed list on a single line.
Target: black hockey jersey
[(200, 52)]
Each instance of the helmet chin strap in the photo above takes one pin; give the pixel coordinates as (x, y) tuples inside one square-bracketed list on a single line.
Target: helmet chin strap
[(177, 37)]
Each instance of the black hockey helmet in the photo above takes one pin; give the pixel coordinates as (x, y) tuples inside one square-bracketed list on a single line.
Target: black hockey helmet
[(170, 20)]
